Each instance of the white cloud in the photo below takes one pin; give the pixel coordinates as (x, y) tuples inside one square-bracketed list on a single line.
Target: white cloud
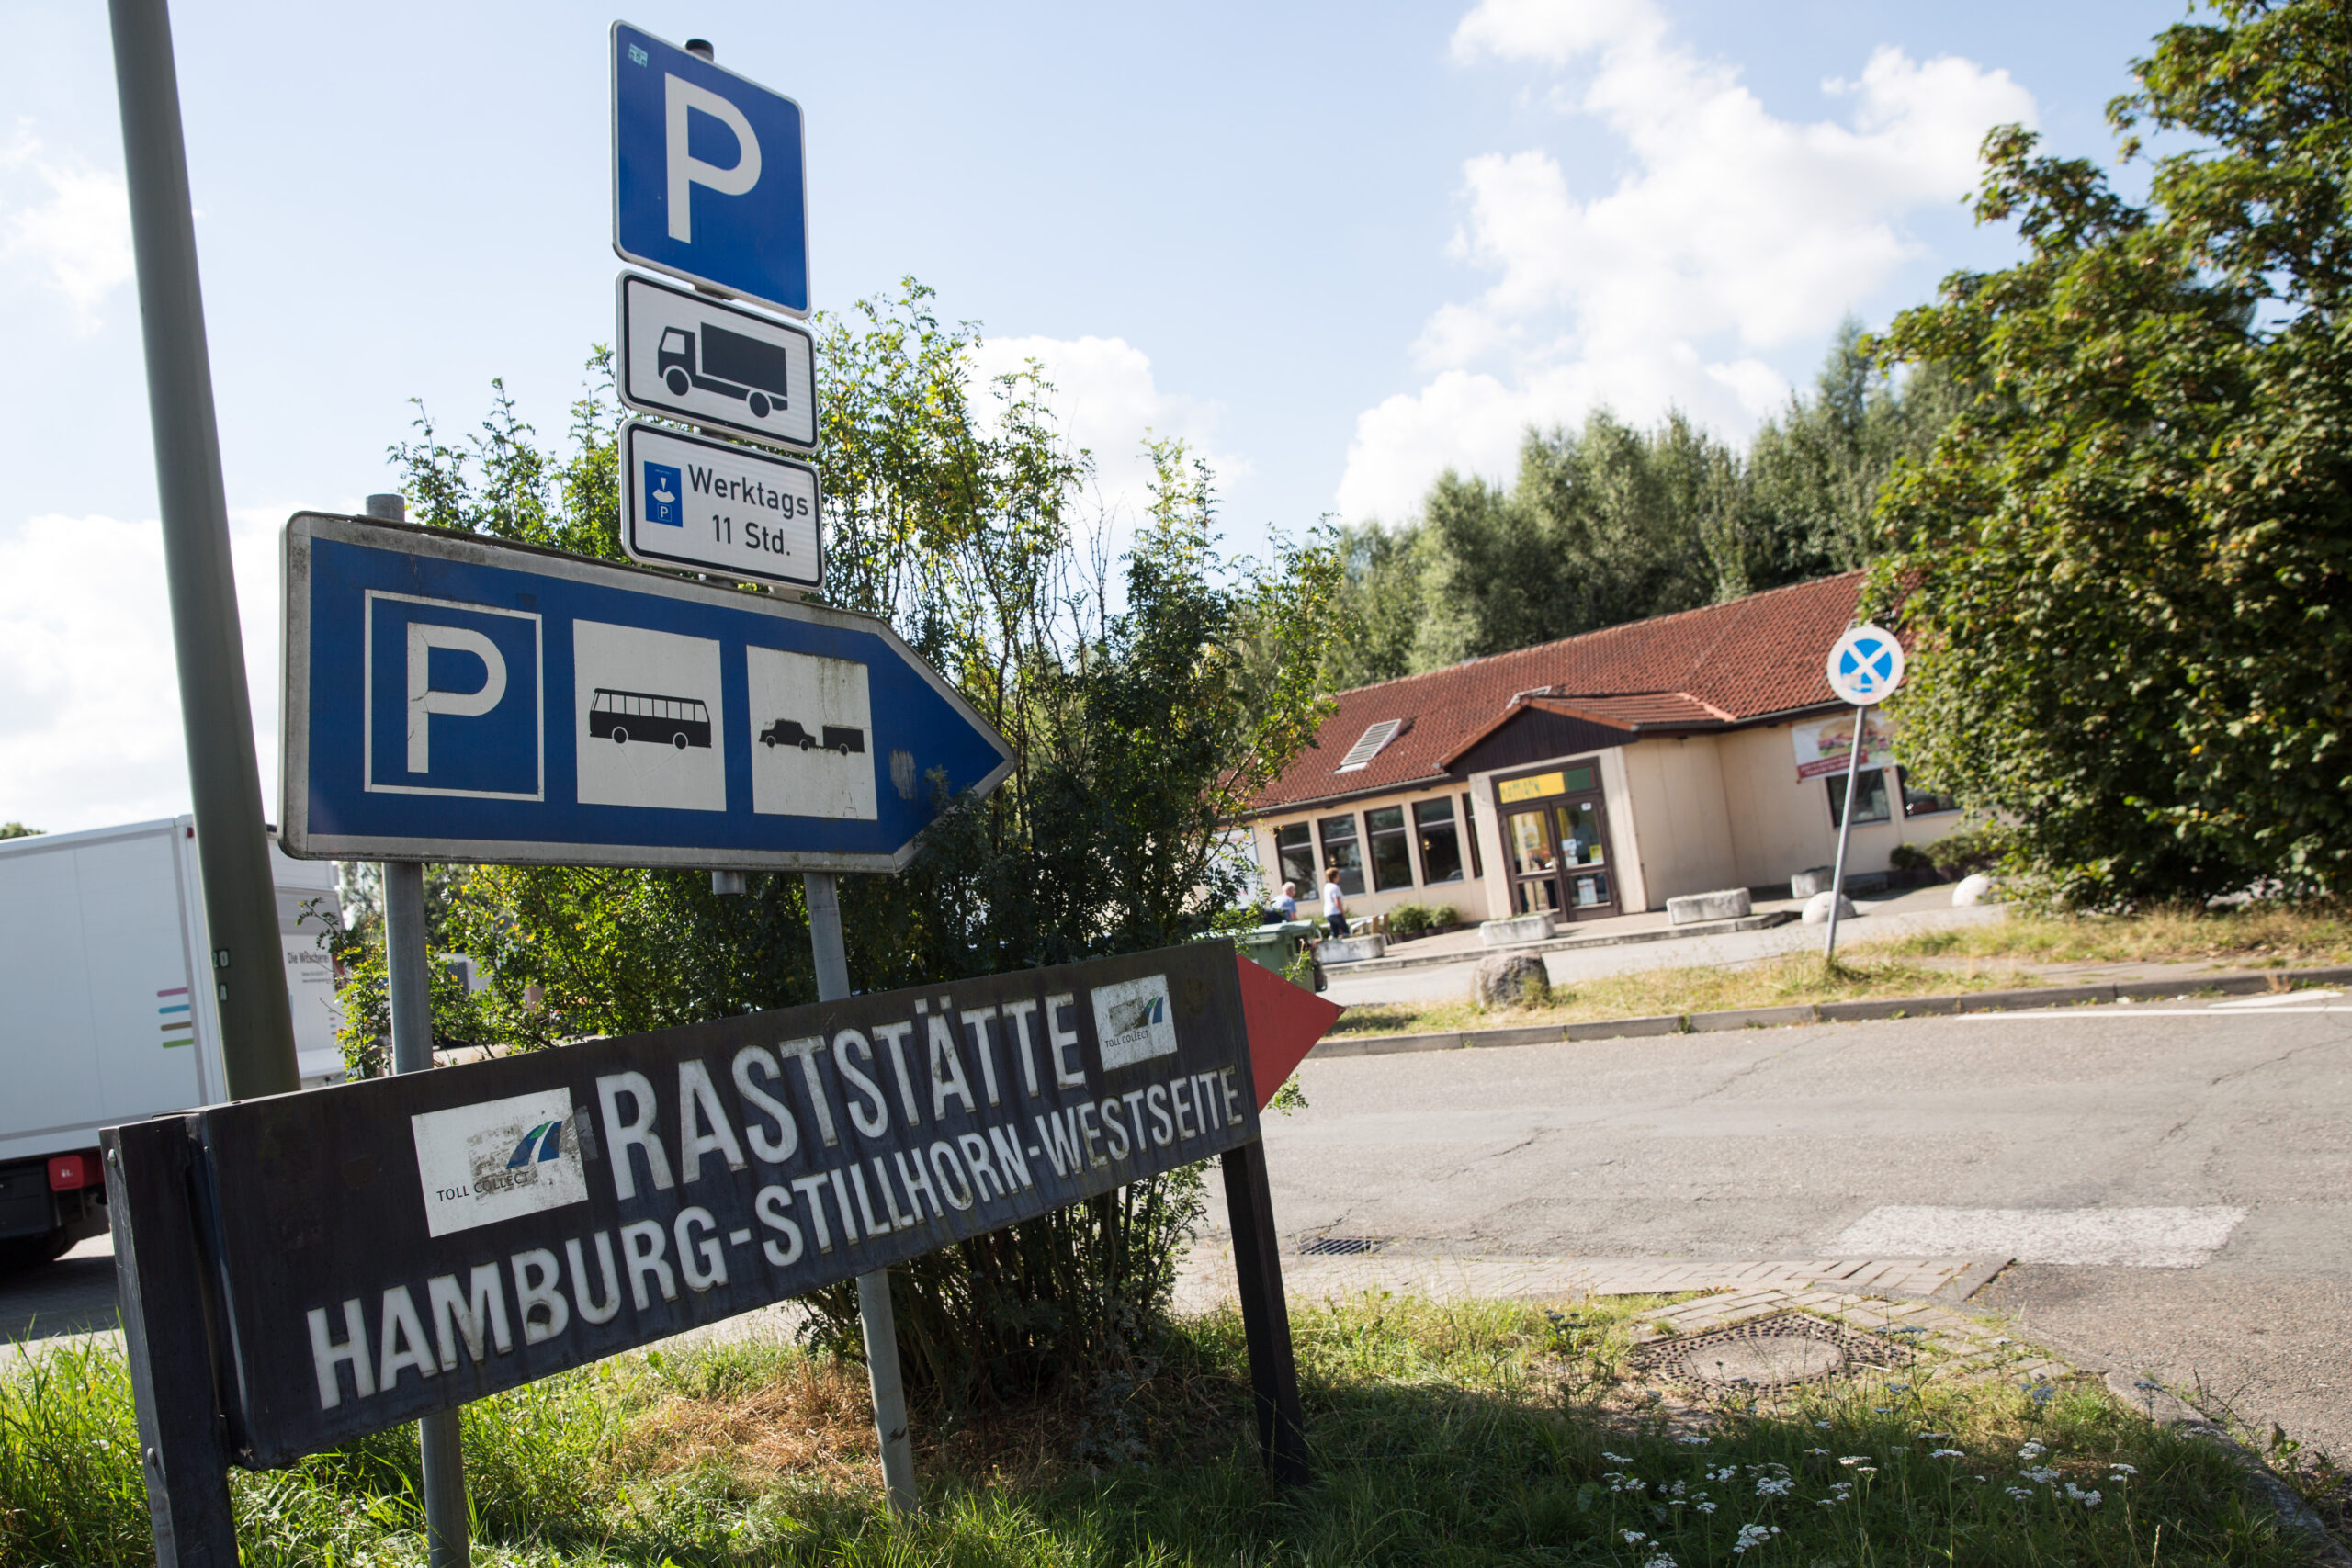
[(1733, 237), (71, 221), (90, 735), (1106, 399)]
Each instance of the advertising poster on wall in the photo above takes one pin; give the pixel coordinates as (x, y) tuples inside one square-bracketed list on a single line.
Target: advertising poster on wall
[(1825, 744)]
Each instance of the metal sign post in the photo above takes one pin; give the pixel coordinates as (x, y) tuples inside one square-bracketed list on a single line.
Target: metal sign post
[(1865, 667), (216, 715), (408, 987), (883, 1378)]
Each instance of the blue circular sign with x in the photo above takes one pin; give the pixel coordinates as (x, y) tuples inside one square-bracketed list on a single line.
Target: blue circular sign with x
[(1865, 665)]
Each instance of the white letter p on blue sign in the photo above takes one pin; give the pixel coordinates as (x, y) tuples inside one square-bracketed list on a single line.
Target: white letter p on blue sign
[(681, 99)]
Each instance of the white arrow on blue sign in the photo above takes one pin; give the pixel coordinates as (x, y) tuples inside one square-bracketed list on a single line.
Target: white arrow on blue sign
[(707, 178), (447, 698)]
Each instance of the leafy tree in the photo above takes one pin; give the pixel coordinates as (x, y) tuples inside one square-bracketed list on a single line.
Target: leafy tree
[(2126, 560), (18, 830), (1607, 524), (1137, 732)]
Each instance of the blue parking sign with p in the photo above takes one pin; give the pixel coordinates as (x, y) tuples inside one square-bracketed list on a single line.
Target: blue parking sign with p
[(455, 699), (707, 182)]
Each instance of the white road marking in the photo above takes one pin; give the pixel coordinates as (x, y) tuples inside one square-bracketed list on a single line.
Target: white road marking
[(2282, 998), (2130, 1238), (2117, 1010)]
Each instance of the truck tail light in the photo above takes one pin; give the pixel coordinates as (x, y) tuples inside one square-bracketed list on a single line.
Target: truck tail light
[(68, 1172)]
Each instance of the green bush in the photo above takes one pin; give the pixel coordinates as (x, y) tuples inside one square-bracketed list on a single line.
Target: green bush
[(1409, 920), (1980, 846), (952, 510)]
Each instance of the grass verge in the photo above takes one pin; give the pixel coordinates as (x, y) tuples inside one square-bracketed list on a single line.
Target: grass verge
[(1646, 993), (1470, 1433), (2258, 936), (1993, 956)]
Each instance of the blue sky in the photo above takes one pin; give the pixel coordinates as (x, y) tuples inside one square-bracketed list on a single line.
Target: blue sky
[(1336, 247)]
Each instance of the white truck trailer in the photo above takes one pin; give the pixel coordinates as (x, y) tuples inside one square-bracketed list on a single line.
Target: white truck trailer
[(108, 1012)]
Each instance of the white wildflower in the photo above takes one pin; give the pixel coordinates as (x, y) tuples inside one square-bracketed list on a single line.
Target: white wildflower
[(1774, 1485), (1660, 1561), (1633, 1538), (1851, 1460), (1754, 1535), (2040, 1474), (2018, 1490), (1946, 1453), (1692, 1439), (2032, 1450), (2087, 1499), (2121, 1468), (1823, 1425), (1708, 1507), (1816, 1450), (1615, 1459)]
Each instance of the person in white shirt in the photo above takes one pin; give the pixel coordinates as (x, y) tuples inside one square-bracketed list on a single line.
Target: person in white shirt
[(1335, 907)]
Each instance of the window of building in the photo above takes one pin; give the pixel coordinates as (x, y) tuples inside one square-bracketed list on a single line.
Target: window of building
[(1342, 856), (1392, 860), (1470, 830), (1920, 802), (1368, 745), (1294, 858), (1872, 788), (1440, 840)]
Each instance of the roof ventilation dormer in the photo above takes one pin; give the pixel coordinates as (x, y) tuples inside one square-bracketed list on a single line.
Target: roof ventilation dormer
[(1361, 754)]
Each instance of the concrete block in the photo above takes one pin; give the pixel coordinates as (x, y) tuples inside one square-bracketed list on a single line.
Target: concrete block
[(1620, 1027), (1753, 1018), (1539, 1034), (1817, 908), (1693, 908), (1383, 1045), (1886, 1007), (1523, 927), (1805, 884), (2035, 997), (1350, 949)]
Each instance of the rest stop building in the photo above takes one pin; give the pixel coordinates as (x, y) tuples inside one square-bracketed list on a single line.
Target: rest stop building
[(1599, 775)]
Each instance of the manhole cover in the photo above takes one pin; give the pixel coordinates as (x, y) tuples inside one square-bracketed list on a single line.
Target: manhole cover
[(1779, 1351), (1338, 1245)]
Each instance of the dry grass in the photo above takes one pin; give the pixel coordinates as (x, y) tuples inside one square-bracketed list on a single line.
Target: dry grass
[(811, 1421), (2260, 936), (1649, 993)]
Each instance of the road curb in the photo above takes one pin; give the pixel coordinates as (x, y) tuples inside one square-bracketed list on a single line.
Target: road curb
[(1828, 1013), (2163, 1406)]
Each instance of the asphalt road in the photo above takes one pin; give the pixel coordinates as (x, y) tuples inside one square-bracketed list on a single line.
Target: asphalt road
[(2104, 1148)]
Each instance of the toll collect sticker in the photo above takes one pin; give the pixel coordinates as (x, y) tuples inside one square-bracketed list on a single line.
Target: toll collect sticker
[(498, 1161), (1133, 1021)]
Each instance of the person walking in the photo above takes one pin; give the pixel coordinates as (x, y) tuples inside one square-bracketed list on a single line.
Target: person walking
[(1335, 905)]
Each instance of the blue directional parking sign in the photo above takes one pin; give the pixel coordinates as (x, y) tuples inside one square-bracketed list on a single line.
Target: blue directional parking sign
[(447, 698), (708, 180)]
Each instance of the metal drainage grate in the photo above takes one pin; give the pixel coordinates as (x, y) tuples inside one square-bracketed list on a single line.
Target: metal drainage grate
[(1341, 1246), (1779, 1351)]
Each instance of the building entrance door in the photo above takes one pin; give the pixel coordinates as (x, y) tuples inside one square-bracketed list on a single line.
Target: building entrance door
[(1559, 858)]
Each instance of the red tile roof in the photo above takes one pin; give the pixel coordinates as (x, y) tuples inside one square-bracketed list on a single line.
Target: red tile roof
[(1707, 669)]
